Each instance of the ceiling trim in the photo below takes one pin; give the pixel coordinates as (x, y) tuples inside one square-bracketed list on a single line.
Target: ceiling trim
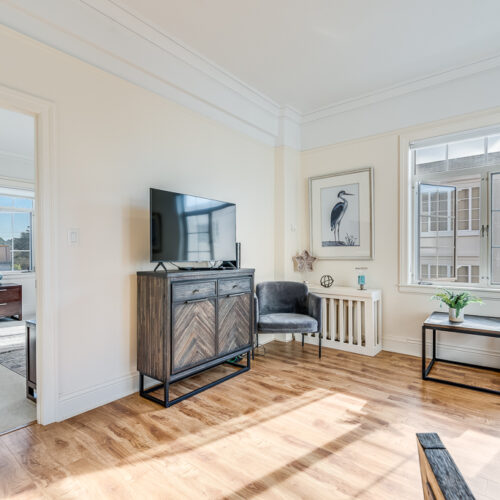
[(402, 89), (103, 34), (117, 40), (153, 34)]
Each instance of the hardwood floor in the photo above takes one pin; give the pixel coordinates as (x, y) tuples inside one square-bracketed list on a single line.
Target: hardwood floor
[(294, 427)]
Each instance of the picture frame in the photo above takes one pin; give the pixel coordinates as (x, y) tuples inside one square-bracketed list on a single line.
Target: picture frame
[(341, 215)]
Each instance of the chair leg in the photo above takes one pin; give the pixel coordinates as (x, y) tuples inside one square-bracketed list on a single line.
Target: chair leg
[(303, 335), (320, 344)]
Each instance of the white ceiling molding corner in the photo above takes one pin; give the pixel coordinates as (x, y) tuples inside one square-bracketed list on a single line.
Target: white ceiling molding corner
[(103, 34), (290, 123)]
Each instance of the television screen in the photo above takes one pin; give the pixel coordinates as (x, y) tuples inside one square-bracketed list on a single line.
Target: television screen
[(188, 228)]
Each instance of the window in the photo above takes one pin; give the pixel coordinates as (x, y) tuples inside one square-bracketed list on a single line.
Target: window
[(16, 223), (468, 274), (455, 186)]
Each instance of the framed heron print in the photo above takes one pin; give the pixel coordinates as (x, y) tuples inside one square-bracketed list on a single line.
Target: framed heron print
[(341, 215)]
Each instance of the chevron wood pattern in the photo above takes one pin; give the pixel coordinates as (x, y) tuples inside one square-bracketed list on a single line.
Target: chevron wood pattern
[(234, 323), (193, 333)]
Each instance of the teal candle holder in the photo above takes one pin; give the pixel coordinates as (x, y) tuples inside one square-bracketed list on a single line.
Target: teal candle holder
[(361, 277)]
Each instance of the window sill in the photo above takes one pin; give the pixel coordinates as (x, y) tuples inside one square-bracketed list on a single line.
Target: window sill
[(490, 293), (10, 275)]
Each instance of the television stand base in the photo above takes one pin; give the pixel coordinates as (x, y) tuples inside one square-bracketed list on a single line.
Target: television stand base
[(160, 264)]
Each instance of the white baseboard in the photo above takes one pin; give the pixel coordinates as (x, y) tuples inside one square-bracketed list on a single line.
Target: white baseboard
[(14, 328), (87, 399), (265, 338), (465, 354), (283, 337)]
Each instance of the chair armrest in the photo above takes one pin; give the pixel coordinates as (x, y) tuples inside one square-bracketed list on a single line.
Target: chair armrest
[(314, 308), (255, 312)]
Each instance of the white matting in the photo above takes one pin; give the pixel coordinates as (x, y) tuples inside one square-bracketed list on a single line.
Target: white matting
[(15, 409)]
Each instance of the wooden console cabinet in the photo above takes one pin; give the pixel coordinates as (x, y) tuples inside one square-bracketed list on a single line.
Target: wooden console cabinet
[(189, 321)]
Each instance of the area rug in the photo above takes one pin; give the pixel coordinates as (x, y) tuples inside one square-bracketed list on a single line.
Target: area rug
[(11, 341), (14, 360)]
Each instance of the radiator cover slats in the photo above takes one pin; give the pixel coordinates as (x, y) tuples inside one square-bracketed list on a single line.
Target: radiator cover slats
[(352, 319)]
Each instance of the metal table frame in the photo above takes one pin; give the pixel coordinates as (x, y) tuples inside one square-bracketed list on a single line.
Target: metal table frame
[(454, 329)]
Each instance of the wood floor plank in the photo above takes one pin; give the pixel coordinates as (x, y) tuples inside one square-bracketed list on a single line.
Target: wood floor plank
[(293, 427)]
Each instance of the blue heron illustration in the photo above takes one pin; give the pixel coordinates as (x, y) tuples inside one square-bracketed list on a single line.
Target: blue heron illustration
[(337, 214)]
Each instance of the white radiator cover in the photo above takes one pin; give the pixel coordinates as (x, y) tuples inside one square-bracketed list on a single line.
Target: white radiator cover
[(352, 319)]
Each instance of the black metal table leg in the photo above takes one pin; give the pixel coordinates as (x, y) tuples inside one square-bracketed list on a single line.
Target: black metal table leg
[(426, 369), (423, 352), (433, 343)]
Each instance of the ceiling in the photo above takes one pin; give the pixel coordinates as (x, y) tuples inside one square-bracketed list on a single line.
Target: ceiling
[(308, 54)]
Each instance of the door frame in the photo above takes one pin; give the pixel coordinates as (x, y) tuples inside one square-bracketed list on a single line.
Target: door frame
[(45, 246)]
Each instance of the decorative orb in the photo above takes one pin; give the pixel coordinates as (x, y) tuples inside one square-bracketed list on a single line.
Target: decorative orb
[(326, 281)]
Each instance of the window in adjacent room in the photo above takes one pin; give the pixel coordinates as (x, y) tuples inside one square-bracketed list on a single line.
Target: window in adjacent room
[(16, 223), (455, 183)]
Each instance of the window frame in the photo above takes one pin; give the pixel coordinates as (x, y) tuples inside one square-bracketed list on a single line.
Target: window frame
[(8, 189), (479, 125)]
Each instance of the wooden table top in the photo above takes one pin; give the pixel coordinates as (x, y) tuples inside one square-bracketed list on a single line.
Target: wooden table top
[(489, 324)]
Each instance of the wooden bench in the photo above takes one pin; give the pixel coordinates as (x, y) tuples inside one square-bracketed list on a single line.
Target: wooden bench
[(441, 479)]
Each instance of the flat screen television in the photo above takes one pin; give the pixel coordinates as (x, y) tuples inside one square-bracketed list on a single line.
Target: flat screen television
[(187, 228)]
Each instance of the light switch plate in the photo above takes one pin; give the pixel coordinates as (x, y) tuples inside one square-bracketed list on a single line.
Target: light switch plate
[(73, 237)]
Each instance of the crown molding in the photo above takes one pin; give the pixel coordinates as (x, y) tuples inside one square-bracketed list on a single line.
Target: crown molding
[(102, 33), (115, 39), (403, 88), (290, 123)]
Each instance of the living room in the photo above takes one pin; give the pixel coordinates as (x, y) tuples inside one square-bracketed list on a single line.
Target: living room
[(261, 106)]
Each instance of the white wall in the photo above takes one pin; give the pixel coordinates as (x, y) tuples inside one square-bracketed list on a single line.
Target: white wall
[(114, 141), (403, 313)]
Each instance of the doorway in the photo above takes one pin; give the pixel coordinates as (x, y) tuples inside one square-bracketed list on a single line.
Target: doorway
[(18, 302)]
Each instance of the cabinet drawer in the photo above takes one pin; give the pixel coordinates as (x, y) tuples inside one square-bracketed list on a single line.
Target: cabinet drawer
[(10, 308), (236, 285), (195, 290), (10, 294)]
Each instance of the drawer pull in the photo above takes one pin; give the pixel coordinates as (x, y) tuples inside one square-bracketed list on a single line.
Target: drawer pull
[(235, 285), (4, 304), (236, 294), (195, 290), (192, 301)]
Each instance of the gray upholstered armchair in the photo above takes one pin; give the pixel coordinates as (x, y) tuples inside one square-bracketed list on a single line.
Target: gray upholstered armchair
[(286, 307)]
